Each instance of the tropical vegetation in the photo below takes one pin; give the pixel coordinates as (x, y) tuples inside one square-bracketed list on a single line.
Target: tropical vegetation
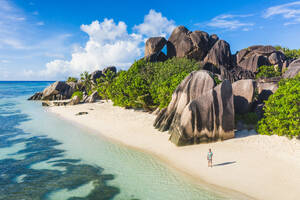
[(148, 85), (266, 71), (289, 53), (282, 110)]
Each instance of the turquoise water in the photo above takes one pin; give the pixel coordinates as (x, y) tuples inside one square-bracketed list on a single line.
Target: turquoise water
[(43, 157)]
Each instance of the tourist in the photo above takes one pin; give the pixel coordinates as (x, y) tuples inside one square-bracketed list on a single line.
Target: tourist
[(209, 158)]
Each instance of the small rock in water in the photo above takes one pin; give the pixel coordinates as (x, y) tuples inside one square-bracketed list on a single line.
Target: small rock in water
[(82, 113)]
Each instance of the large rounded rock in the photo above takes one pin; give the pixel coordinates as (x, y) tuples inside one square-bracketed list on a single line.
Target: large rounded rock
[(154, 45), (253, 57), (57, 91), (193, 86), (219, 54), (243, 92), (207, 118), (184, 43), (293, 69), (253, 62), (95, 75)]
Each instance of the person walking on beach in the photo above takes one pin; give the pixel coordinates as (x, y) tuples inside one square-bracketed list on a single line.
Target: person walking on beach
[(209, 158)]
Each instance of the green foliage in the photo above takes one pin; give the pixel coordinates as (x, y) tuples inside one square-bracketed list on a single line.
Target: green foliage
[(282, 110), (289, 53), (148, 85), (78, 93), (217, 80), (87, 82), (267, 72), (248, 118), (104, 83), (71, 79)]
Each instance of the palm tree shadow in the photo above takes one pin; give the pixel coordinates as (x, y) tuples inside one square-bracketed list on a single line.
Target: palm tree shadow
[(224, 163)]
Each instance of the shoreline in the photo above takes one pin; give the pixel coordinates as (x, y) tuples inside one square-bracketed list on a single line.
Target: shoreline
[(258, 166)]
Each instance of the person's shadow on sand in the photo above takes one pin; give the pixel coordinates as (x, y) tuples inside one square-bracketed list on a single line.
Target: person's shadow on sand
[(224, 163)]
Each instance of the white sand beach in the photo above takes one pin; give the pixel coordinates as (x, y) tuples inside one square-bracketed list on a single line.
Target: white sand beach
[(262, 167)]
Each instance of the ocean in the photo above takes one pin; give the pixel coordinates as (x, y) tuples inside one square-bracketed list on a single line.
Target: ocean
[(44, 157)]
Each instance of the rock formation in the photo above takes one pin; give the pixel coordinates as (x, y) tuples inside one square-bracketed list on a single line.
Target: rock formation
[(253, 57), (92, 98), (154, 45), (243, 92), (95, 75), (190, 88), (184, 43), (209, 117), (36, 96), (198, 111), (293, 69), (219, 54), (58, 91)]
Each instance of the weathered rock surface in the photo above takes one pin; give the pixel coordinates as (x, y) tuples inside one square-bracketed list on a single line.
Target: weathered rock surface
[(266, 87), (219, 54), (154, 45), (156, 57), (293, 69), (253, 57), (36, 96), (207, 118), (95, 75), (92, 98), (75, 100), (243, 92), (184, 43), (192, 87), (59, 90)]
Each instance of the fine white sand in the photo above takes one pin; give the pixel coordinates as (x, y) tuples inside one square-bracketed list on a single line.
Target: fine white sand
[(262, 167)]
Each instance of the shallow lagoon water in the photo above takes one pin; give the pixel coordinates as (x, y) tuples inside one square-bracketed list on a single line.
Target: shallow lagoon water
[(44, 157)]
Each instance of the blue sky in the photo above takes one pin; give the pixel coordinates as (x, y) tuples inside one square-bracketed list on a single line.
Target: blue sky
[(52, 39)]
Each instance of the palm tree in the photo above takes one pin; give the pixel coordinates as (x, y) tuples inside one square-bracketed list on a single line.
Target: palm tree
[(86, 79)]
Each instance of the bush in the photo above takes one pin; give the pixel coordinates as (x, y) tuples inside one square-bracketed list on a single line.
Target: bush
[(248, 118), (267, 72), (282, 110), (149, 85), (77, 93), (72, 79), (289, 53)]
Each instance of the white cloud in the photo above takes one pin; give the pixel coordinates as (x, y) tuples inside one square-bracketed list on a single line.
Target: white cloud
[(40, 23), (230, 22), (109, 44), (290, 11), (155, 25)]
